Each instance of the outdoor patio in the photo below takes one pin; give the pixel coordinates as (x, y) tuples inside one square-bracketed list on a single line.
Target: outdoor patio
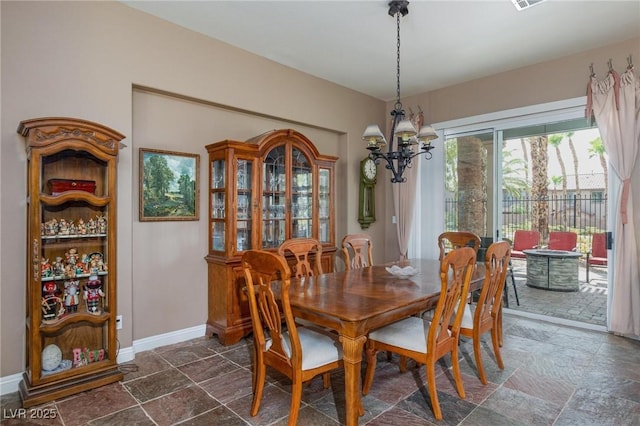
[(589, 305)]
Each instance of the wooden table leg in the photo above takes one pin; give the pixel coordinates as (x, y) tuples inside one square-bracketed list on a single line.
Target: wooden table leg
[(352, 355)]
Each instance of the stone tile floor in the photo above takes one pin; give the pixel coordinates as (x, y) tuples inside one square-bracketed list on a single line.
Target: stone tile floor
[(588, 306), (554, 375)]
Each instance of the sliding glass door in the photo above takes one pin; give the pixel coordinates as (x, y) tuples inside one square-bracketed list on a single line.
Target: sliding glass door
[(469, 182)]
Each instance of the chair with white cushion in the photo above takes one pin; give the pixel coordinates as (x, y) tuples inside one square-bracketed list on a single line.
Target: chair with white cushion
[(486, 315), (299, 353), (427, 341)]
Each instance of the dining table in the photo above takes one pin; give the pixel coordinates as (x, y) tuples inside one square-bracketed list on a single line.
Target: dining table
[(357, 301)]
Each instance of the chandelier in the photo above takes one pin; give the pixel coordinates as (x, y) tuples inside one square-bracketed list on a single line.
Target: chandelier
[(401, 128)]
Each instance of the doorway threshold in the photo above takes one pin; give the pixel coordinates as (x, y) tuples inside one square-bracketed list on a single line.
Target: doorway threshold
[(554, 320)]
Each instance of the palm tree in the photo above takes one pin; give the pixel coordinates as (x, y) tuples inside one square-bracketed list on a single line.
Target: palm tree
[(472, 200), (555, 141), (512, 181), (576, 176), (596, 147), (525, 155), (539, 191), (450, 166), (557, 180)]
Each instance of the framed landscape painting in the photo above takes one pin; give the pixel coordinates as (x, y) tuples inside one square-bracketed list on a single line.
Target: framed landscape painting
[(168, 185)]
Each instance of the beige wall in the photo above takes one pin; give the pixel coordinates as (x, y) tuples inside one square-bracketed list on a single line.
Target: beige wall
[(169, 255), (82, 59), (565, 78)]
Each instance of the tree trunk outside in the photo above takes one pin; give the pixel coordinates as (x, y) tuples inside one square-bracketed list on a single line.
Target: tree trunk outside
[(472, 187), (575, 174), (539, 192)]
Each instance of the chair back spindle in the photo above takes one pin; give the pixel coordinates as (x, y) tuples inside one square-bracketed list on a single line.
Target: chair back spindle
[(307, 253)]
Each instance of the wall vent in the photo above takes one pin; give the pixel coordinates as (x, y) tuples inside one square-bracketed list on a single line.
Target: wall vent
[(525, 4)]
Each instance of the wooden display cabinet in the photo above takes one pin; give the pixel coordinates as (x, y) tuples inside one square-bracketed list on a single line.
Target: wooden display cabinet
[(71, 258), (262, 192)]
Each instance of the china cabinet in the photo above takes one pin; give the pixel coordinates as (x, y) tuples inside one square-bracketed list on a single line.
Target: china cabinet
[(71, 258), (263, 191)]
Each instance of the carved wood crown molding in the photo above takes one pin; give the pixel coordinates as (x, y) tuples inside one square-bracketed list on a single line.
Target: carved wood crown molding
[(64, 133)]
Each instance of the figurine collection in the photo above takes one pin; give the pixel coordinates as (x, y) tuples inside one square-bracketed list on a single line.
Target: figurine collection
[(73, 265), (56, 303), (66, 227)]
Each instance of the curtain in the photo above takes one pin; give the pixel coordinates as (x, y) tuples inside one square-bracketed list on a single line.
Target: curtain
[(615, 102), (404, 196)]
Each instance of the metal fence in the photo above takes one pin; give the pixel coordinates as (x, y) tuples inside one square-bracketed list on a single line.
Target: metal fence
[(585, 215)]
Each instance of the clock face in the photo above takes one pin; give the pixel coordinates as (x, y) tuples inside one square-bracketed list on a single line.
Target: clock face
[(370, 169)]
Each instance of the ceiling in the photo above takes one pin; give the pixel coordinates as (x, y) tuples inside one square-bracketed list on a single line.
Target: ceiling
[(353, 43)]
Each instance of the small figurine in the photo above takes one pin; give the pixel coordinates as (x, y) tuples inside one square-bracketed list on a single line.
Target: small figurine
[(71, 297), (72, 256), (101, 225), (92, 294), (91, 227), (96, 264), (82, 227), (58, 267), (45, 268), (51, 228), (70, 271), (72, 228), (50, 302), (63, 227)]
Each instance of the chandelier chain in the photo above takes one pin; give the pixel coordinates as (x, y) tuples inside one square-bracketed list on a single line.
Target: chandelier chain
[(397, 160), (398, 104)]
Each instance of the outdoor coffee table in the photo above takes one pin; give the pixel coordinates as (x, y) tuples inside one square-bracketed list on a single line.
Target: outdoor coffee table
[(553, 269)]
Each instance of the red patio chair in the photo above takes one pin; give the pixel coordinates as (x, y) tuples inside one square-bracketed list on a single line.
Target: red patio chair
[(563, 241), (524, 240), (597, 255)]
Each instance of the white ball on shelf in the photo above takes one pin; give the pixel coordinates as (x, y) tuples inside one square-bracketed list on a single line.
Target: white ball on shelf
[(51, 357)]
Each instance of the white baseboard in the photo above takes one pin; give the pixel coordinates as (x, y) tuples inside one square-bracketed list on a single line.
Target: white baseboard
[(10, 384), (149, 343), (555, 320)]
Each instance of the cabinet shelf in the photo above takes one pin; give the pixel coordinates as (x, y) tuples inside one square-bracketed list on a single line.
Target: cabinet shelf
[(54, 238), (79, 276), (65, 197), (68, 310), (54, 326)]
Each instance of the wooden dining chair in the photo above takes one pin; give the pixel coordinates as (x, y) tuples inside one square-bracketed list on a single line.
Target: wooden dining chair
[(456, 239), (307, 253), (485, 316), (427, 341), (299, 353), (357, 250)]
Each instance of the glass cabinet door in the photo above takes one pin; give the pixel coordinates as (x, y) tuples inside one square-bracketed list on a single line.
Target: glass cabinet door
[(244, 202), (274, 198), (324, 207), (301, 195), (218, 204)]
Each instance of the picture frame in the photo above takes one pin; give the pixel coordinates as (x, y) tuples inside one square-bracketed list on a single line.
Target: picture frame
[(169, 186)]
